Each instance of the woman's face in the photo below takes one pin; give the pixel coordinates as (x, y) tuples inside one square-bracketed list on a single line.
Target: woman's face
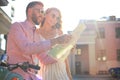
[(52, 17)]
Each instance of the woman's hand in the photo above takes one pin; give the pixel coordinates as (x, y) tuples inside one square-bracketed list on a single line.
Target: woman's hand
[(63, 39)]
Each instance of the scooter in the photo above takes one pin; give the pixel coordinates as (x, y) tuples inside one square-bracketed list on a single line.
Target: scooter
[(6, 69)]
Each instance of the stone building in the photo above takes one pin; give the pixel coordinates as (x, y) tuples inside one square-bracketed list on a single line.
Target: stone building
[(5, 22), (98, 48)]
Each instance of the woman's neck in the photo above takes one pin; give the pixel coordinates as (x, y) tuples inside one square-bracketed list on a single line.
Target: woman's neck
[(47, 31), (46, 27)]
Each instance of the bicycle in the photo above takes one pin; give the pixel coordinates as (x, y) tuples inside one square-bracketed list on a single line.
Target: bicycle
[(6, 70)]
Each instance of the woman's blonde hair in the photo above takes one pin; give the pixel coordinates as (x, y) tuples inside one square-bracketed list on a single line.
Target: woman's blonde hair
[(59, 23)]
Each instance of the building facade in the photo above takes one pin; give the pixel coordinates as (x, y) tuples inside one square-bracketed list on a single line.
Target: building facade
[(5, 22), (98, 48)]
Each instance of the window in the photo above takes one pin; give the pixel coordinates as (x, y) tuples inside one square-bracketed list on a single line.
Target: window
[(118, 54), (101, 55), (78, 51), (12, 11), (3, 42), (117, 30), (101, 33)]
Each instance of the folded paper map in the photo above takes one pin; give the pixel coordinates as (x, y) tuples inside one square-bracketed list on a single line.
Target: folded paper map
[(60, 52)]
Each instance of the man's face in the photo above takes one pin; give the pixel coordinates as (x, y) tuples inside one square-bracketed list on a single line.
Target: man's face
[(37, 14)]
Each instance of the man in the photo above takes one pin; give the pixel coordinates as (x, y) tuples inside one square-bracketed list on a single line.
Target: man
[(23, 40)]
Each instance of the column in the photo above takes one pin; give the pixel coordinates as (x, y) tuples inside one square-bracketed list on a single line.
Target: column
[(92, 60)]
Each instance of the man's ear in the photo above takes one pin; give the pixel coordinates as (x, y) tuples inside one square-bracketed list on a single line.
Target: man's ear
[(30, 11)]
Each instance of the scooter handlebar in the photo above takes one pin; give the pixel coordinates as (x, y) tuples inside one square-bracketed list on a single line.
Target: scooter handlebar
[(34, 67), (24, 66)]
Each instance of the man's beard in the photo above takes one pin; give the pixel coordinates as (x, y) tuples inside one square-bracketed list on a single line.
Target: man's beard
[(34, 19)]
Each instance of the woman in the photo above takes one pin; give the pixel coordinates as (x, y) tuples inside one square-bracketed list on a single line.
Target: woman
[(52, 69)]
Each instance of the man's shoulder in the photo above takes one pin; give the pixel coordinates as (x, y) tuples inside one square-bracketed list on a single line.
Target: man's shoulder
[(15, 23)]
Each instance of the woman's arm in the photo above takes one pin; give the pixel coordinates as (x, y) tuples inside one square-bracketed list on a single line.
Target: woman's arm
[(68, 69)]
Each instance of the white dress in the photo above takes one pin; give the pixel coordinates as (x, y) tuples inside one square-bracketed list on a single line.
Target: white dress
[(55, 71), (52, 71)]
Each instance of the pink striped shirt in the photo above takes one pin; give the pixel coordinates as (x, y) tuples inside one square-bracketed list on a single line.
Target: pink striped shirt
[(22, 43)]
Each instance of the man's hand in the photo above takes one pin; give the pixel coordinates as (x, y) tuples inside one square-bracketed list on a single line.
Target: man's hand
[(63, 39)]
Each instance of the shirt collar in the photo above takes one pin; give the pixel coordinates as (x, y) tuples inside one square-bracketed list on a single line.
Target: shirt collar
[(29, 24)]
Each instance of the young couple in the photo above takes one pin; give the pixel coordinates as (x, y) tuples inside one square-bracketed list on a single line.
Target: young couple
[(25, 42)]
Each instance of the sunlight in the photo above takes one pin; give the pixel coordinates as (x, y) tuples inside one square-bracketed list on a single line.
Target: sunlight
[(73, 10), (60, 52)]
